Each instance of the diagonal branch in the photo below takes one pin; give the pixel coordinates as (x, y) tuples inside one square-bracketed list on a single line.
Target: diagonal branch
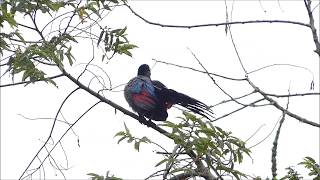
[(312, 27), (278, 106), (192, 154), (50, 134), (114, 105)]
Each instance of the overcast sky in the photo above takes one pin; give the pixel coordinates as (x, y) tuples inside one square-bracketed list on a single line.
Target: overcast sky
[(258, 45)]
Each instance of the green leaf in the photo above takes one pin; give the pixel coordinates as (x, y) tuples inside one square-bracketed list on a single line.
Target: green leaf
[(127, 130), (114, 1), (121, 133), (20, 37), (130, 139), (69, 56), (122, 31), (136, 145), (100, 37), (161, 162), (122, 138), (145, 140), (91, 7), (69, 37)]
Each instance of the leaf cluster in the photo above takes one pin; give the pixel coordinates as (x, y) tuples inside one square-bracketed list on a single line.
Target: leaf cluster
[(24, 56), (214, 146), (115, 41), (95, 176), (218, 149), (128, 136)]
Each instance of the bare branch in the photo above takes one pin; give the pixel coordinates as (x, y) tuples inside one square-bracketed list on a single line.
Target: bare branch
[(241, 108), (58, 142), (216, 24), (50, 134), (193, 69), (25, 82), (276, 104), (292, 95), (275, 144), (226, 93), (312, 27)]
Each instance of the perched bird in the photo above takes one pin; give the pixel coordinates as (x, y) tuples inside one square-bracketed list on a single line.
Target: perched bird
[(151, 99)]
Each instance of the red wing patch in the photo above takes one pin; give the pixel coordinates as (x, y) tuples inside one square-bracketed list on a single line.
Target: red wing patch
[(144, 100)]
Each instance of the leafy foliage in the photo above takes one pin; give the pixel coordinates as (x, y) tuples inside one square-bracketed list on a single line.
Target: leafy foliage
[(98, 177), (115, 41), (29, 56), (127, 135), (214, 146), (310, 164)]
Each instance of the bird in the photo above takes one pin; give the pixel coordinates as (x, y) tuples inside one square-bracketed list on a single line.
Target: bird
[(151, 98)]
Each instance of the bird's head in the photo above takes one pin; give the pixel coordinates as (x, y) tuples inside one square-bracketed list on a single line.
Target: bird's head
[(144, 70)]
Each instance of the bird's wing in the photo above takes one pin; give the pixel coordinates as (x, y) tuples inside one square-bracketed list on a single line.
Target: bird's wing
[(140, 94)]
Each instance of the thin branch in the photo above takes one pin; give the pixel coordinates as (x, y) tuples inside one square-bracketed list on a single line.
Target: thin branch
[(186, 175), (36, 26), (116, 106), (142, 120), (49, 154), (25, 26), (271, 65), (275, 144), (214, 80), (230, 100), (276, 104), (26, 82), (243, 107), (50, 134), (216, 24), (193, 69), (292, 95), (236, 50), (312, 27)]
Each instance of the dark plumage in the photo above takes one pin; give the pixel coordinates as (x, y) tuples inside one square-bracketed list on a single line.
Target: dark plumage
[(151, 99)]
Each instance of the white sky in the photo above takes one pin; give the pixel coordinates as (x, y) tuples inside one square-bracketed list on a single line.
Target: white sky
[(258, 44)]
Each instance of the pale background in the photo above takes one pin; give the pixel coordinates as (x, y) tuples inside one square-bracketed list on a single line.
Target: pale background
[(258, 44)]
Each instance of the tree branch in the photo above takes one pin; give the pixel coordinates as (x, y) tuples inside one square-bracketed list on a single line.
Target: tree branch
[(114, 105), (200, 165), (25, 82), (193, 69), (312, 27), (276, 104), (275, 145), (216, 24), (50, 134)]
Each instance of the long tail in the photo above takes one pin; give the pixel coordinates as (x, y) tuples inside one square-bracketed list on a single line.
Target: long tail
[(173, 97), (190, 103)]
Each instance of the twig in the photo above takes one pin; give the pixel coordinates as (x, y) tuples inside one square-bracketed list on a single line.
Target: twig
[(234, 111), (25, 82), (49, 154), (215, 24), (275, 144), (50, 134), (236, 50), (142, 120), (193, 69), (312, 27), (276, 104), (114, 105), (293, 95), (214, 80)]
